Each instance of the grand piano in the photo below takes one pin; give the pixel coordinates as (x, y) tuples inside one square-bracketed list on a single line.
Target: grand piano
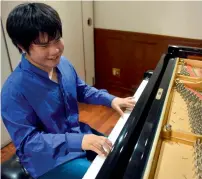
[(162, 137)]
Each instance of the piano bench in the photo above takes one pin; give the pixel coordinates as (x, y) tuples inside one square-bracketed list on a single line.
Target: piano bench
[(12, 169)]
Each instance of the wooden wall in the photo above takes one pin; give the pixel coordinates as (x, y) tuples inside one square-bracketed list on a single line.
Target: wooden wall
[(134, 53)]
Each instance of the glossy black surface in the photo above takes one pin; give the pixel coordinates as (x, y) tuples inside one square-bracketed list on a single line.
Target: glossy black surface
[(138, 161), (117, 161), (148, 74), (183, 51)]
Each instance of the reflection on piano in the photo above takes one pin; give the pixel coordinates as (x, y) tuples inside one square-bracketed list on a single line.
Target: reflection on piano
[(162, 137)]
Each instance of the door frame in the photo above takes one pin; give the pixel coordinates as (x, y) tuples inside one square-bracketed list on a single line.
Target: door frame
[(88, 41)]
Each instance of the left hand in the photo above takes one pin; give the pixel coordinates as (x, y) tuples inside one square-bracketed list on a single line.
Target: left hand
[(118, 103)]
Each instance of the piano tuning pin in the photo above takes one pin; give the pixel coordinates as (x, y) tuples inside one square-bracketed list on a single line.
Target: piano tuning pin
[(198, 158), (200, 167), (194, 106), (181, 60), (194, 169), (177, 80)]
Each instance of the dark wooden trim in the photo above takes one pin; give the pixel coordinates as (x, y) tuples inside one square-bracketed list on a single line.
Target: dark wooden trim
[(133, 53), (151, 37)]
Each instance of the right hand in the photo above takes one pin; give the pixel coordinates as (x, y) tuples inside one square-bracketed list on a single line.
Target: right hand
[(96, 144)]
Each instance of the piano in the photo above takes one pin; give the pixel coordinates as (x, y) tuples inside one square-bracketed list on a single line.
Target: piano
[(161, 137)]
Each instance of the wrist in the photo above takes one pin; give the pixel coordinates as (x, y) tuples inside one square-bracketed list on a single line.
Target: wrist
[(85, 145)]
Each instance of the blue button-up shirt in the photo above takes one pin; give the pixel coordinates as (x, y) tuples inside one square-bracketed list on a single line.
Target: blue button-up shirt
[(41, 115)]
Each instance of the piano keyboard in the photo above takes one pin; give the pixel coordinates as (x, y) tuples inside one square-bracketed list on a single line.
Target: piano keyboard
[(98, 161)]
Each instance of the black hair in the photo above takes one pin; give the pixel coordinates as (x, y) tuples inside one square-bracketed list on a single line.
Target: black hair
[(26, 21)]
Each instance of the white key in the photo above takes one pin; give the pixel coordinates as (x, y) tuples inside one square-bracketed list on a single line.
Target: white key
[(98, 161)]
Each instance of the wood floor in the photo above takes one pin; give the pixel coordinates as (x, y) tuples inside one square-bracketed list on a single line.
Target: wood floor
[(100, 118)]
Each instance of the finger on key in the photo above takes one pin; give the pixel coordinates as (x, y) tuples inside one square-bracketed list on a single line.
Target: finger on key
[(101, 149)]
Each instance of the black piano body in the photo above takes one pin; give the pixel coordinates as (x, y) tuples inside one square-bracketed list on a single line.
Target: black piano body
[(130, 157)]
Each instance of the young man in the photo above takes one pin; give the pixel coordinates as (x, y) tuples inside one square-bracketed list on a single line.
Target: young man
[(39, 99)]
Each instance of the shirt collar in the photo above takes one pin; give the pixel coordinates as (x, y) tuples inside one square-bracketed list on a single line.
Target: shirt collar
[(26, 65)]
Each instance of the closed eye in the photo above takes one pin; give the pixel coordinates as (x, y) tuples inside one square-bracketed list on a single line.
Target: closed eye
[(46, 44), (57, 40)]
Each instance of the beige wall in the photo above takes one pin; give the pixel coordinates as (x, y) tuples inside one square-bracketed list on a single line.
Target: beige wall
[(5, 72), (181, 19), (88, 39)]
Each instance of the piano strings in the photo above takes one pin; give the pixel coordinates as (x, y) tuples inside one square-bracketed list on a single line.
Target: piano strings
[(188, 70), (193, 99), (198, 159)]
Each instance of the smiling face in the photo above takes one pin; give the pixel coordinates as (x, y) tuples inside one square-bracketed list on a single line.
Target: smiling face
[(36, 29), (45, 53)]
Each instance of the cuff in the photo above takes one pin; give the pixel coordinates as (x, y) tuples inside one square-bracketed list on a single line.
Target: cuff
[(74, 142), (109, 98)]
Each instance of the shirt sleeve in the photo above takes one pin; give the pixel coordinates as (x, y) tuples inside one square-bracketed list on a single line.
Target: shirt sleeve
[(91, 95), (23, 126)]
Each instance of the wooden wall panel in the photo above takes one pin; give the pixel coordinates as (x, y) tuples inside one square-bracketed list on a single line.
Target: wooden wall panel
[(134, 53)]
